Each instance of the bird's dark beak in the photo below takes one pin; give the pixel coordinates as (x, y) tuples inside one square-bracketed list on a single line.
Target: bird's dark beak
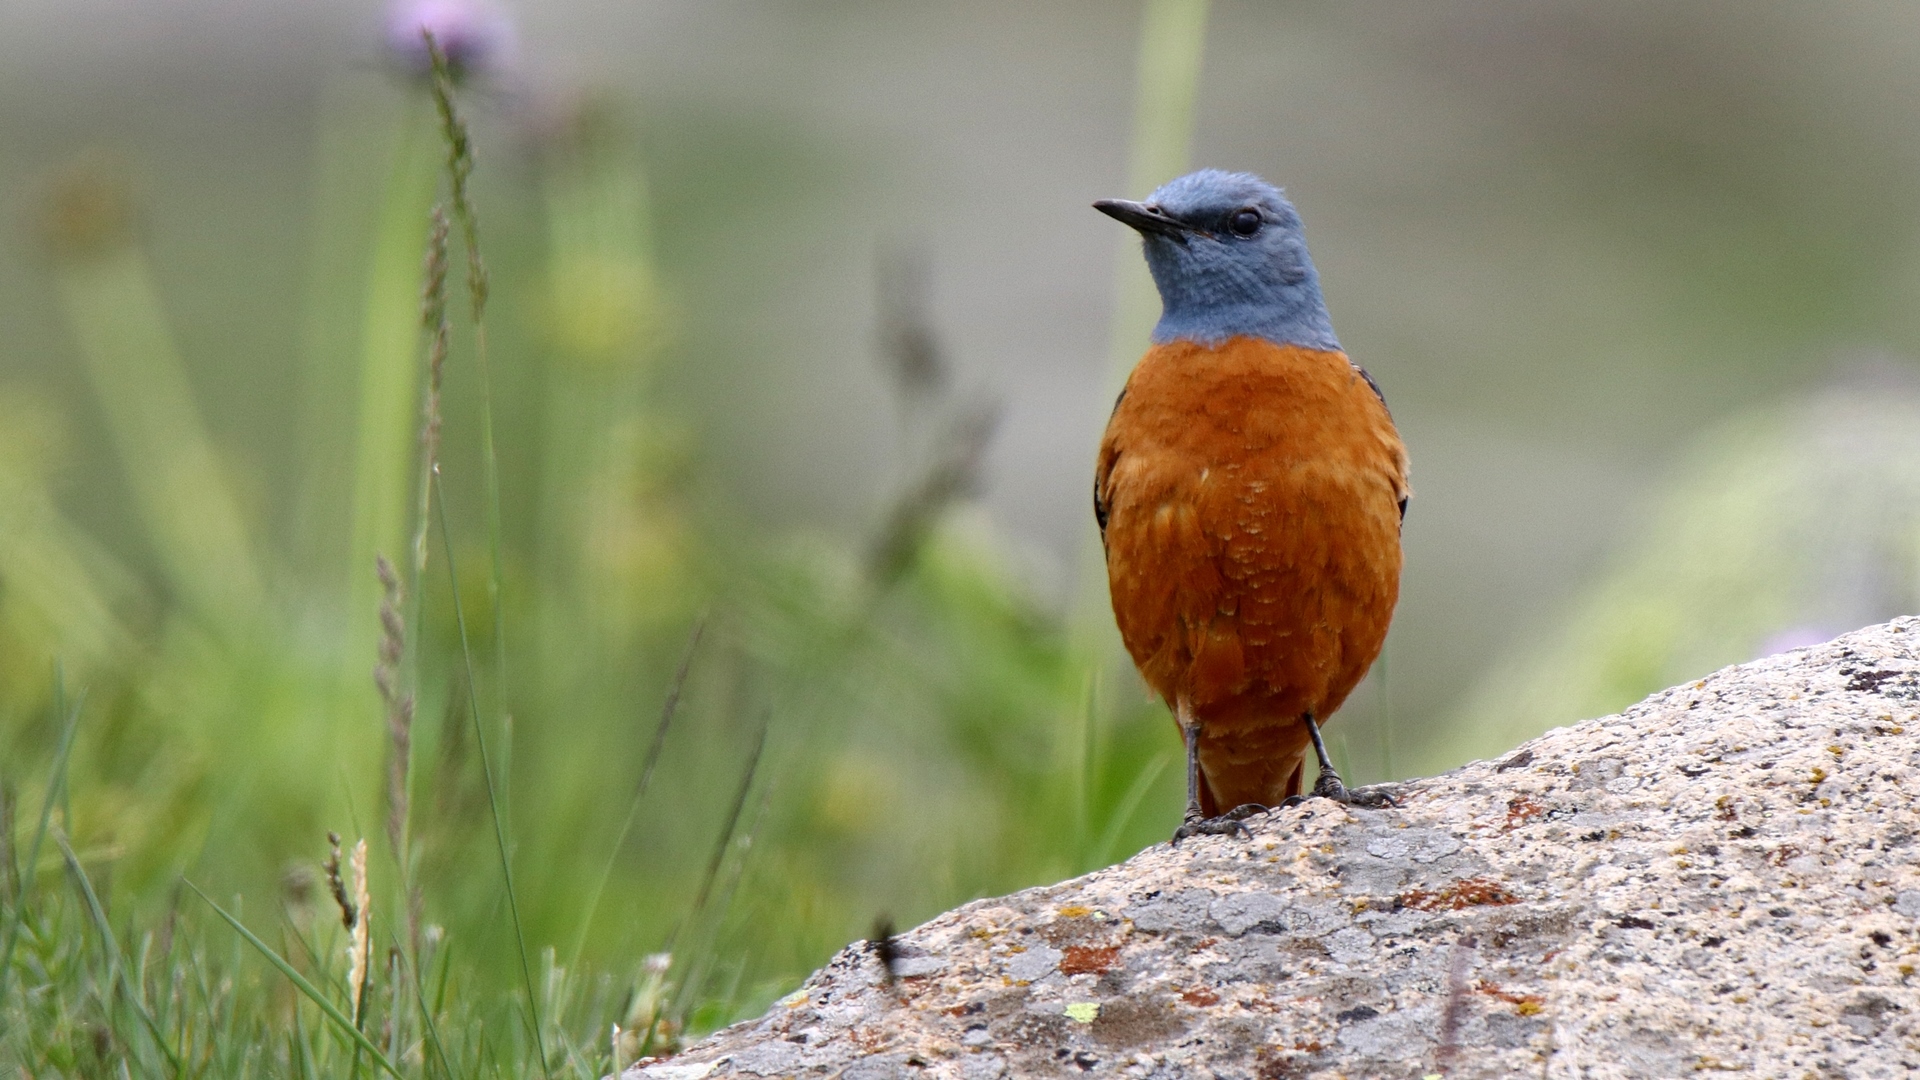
[(1147, 218)]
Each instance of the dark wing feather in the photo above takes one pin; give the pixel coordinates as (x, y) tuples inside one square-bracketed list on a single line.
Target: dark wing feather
[(1375, 387), (1101, 471), (1100, 503)]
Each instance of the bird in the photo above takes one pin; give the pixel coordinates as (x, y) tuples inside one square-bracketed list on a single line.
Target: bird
[(1250, 490)]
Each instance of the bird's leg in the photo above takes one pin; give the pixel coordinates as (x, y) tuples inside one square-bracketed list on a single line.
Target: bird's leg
[(1190, 734), (1328, 786), (1194, 824)]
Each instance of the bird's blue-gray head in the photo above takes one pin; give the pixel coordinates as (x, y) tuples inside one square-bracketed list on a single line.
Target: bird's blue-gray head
[(1228, 254)]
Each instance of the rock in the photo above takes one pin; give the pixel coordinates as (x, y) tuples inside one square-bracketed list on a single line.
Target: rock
[(1722, 878)]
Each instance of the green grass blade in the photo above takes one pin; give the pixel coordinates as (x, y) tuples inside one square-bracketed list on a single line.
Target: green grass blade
[(56, 782), (490, 475), (733, 818), (714, 863), (1123, 810), (301, 984), (426, 1014), (667, 709), (696, 981), (118, 969), (297, 1050), (486, 769)]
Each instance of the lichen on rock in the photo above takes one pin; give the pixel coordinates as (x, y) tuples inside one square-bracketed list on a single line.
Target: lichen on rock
[(1722, 878)]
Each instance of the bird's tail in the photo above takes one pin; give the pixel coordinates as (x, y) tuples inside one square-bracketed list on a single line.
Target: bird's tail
[(1264, 764)]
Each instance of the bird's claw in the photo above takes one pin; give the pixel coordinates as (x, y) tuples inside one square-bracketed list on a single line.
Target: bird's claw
[(1233, 821), (1367, 798), (1372, 798)]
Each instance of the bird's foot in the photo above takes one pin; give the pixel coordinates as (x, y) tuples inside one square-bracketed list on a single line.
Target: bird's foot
[(1329, 786), (1233, 821)]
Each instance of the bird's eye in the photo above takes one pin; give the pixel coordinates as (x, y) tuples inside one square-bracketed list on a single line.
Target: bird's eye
[(1245, 222)]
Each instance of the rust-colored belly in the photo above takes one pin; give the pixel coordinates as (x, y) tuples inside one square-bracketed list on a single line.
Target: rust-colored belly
[(1252, 497)]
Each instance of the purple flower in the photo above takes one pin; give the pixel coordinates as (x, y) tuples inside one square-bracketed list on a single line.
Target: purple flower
[(474, 36)]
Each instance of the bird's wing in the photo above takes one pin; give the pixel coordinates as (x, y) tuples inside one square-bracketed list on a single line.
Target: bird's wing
[(1100, 496), (1371, 385), (1103, 471), (1400, 478)]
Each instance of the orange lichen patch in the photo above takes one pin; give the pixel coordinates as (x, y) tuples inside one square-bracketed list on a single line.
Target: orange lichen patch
[(1781, 855), (1524, 1004), (1088, 959), (1521, 809), (1074, 911), (1308, 1046), (1465, 893), (1200, 997)]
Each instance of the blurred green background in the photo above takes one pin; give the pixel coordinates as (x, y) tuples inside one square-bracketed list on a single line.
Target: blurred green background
[(802, 332)]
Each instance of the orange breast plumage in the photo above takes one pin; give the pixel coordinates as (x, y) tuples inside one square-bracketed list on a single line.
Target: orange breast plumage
[(1250, 496)]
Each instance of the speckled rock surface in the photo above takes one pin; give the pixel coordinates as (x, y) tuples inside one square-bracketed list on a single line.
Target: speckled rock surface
[(1725, 877)]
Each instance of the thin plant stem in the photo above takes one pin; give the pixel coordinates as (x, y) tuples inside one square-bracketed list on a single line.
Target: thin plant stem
[(733, 818), (426, 1016), (696, 984), (400, 699), (1123, 810), (667, 710), (453, 130), (399, 702), (718, 857), (433, 319), (486, 770)]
